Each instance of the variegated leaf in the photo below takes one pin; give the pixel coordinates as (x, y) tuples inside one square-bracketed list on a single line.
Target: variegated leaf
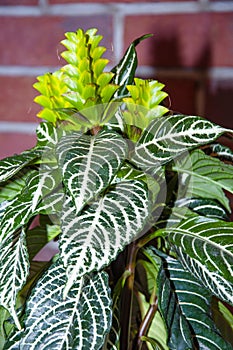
[(11, 165), (78, 322), (195, 305), (204, 207), (179, 332), (168, 137), (12, 187), (14, 270), (219, 286), (90, 164), (48, 135), (52, 204), (207, 177), (23, 207), (93, 239), (209, 249), (221, 151), (125, 70)]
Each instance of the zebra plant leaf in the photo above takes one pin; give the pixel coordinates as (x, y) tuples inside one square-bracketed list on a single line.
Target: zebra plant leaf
[(205, 247), (78, 322), (23, 207), (94, 238), (220, 151), (12, 187), (195, 305), (48, 135), (204, 207), (179, 332), (90, 164), (14, 270), (208, 176), (11, 165), (168, 137), (125, 70)]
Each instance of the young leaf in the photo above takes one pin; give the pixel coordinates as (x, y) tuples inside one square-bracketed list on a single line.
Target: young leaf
[(93, 239), (125, 70), (168, 137), (90, 163), (78, 322)]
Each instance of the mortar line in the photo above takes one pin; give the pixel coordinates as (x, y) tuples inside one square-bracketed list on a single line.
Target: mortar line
[(126, 9), (26, 128)]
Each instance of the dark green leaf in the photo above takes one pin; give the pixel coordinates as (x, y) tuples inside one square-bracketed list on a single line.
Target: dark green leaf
[(125, 70), (81, 321)]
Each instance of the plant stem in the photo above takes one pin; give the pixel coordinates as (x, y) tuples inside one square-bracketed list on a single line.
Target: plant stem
[(127, 297), (146, 322)]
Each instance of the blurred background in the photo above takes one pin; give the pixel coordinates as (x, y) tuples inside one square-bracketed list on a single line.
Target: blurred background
[(191, 52)]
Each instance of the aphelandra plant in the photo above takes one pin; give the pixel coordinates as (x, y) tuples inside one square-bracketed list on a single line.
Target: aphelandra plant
[(135, 197)]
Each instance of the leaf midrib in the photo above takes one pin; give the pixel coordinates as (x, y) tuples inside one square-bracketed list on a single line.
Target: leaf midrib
[(214, 182), (196, 235)]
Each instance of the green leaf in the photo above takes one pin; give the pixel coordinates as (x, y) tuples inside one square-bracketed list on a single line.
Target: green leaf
[(48, 135), (5, 327), (90, 163), (125, 70), (204, 207), (179, 332), (221, 151), (195, 305), (13, 186), (14, 270), (205, 248), (37, 238), (166, 138), (11, 165), (223, 319), (23, 207), (78, 322), (94, 238), (153, 344), (208, 177)]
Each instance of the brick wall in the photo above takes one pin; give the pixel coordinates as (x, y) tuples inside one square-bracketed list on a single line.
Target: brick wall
[(191, 52)]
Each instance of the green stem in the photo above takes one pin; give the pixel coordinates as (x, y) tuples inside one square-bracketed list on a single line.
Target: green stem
[(159, 233)]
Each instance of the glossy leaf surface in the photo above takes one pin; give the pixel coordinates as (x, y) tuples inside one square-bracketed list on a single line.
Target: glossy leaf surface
[(78, 322)]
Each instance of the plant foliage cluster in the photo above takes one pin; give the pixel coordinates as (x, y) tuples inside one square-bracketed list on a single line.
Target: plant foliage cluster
[(135, 197)]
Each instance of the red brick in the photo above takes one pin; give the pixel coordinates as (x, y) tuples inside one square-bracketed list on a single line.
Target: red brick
[(181, 93), (18, 2), (35, 41), (188, 40), (16, 99), (13, 143), (219, 102)]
